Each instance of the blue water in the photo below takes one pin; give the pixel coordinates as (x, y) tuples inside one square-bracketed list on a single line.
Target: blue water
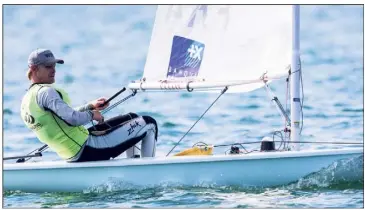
[(105, 47)]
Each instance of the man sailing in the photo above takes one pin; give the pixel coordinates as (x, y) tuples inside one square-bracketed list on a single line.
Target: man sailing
[(46, 110)]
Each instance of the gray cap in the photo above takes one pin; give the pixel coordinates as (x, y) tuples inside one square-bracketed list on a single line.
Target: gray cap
[(42, 56)]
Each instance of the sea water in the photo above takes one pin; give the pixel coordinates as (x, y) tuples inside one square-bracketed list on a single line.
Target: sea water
[(105, 47)]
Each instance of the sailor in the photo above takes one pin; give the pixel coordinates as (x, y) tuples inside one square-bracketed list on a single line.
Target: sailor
[(46, 110)]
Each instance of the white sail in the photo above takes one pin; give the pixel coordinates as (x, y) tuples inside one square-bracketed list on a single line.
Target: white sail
[(219, 44)]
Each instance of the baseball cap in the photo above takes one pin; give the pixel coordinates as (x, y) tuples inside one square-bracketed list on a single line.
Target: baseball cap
[(43, 56)]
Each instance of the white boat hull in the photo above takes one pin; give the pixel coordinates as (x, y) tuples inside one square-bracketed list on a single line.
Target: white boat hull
[(263, 169)]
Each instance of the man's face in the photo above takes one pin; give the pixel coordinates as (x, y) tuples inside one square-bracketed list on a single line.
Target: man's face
[(46, 73)]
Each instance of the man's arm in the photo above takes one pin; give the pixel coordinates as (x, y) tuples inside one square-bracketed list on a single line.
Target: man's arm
[(86, 107), (98, 103), (49, 99)]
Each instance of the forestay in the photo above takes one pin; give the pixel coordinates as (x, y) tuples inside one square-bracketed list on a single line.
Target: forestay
[(218, 45)]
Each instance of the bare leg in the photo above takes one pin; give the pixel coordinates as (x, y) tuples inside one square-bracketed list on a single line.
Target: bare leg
[(149, 144)]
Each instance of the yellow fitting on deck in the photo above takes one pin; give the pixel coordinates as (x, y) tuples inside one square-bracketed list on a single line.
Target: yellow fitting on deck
[(197, 150)]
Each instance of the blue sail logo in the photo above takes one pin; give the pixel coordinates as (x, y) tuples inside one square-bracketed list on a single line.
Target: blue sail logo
[(195, 52), (185, 58)]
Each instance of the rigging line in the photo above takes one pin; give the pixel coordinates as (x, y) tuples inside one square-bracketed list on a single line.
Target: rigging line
[(115, 105), (310, 142), (302, 100), (287, 93), (134, 92), (325, 142), (226, 145), (119, 102), (296, 71), (281, 136), (41, 149), (29, 156), (222, 92), (244, 148)]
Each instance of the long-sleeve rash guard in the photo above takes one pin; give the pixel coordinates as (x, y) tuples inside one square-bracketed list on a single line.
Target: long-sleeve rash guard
[(49, 98)]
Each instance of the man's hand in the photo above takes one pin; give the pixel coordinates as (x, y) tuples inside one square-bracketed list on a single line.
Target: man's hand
[(97, 116), (98, 104)]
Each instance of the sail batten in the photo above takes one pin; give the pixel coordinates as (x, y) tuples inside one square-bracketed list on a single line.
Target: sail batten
[(219, 43)]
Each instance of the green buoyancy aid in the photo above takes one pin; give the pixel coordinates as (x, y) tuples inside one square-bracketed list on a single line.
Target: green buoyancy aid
[(64, 139)]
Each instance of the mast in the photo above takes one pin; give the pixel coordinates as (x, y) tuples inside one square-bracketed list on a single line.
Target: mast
[(295, 102)]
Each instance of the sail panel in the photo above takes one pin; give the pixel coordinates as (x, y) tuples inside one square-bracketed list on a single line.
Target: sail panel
[(219, 43)]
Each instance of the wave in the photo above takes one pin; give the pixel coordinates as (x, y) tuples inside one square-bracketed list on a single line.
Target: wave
[(341, 175)]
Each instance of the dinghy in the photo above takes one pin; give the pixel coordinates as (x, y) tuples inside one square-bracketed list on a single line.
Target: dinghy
[(248, 170), (216, 49)]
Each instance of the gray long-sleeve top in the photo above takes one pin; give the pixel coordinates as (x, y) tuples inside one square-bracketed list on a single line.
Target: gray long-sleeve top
[(49, 98)]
